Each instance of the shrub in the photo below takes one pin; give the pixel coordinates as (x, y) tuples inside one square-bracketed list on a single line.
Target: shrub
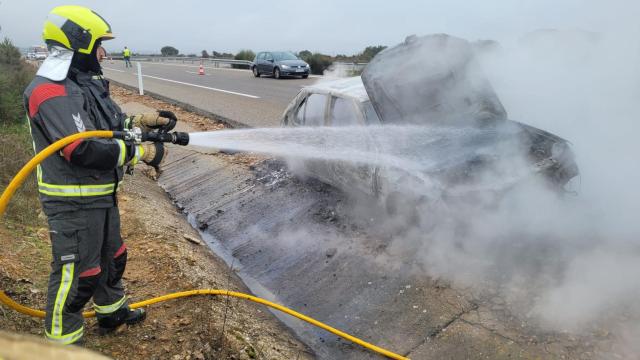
[(243, 55), (15, 75), (318, 62), (370, 52), (16, 150), (169, 51), (9, 54), (222, 55), (15, 141)]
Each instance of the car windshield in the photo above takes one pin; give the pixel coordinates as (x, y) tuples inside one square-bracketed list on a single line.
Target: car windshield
[(371, 117), (279, 56)]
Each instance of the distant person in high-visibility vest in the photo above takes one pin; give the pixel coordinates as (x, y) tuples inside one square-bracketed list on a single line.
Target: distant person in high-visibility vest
[(126, 53)]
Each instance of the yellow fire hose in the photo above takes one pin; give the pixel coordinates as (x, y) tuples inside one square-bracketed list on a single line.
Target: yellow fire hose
[(28, 168)]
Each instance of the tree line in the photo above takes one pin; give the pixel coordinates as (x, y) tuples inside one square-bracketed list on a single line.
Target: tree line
[(318, 62)]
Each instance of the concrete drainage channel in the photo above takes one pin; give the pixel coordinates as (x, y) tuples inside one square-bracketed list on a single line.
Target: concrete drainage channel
[(297, 244), (290, 243)]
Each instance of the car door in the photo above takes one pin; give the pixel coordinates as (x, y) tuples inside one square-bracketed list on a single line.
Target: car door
[(258, 61), (344, 111), (268, 63), (371, 119), (315, 115), (294, 115)]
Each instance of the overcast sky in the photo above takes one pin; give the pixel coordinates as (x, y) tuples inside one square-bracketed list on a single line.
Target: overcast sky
[(323, 25)]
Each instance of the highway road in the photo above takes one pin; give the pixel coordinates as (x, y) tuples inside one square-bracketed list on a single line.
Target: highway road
[(231, 93)]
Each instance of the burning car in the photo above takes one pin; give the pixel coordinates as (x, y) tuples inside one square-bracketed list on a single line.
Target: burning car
[(432, 82)]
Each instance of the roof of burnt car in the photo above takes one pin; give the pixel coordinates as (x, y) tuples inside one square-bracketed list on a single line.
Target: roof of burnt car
[(351, 87)]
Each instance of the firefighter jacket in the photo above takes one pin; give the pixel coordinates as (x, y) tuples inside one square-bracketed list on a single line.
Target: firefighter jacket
[(86, 173)]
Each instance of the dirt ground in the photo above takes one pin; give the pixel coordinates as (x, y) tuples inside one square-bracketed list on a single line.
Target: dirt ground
[(165, 255)]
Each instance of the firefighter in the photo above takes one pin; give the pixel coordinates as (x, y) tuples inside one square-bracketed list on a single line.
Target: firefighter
[(78, 186)]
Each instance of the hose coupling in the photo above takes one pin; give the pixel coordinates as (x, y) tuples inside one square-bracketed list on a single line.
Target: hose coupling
[(137, 136), (134, 135)]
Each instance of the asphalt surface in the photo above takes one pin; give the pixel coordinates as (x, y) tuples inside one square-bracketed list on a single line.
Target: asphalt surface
[(231, 93)]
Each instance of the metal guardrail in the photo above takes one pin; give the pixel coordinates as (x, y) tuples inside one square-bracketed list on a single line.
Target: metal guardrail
[(218, 62), (348, 68), (215, 62)]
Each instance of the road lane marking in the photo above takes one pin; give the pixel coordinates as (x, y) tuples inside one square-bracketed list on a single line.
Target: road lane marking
[(189, 84), (202, 87), (192, 66)]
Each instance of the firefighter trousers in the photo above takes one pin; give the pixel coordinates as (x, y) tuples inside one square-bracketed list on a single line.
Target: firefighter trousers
[(89, 259)]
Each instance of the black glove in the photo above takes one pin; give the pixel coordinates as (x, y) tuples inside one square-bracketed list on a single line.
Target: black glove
[(172, 120)]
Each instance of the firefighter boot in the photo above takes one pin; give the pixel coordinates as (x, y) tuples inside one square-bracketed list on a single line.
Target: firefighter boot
[(124, 315)]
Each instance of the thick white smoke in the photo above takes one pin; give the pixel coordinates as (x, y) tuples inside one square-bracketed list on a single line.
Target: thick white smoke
[(568, 263), (564, 263), (585, 87)]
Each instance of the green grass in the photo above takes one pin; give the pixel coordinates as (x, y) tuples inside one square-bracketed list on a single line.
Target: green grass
[(15, 140), (15, 151)]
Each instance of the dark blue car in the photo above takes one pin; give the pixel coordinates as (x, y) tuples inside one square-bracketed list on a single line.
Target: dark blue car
[(279, 64)]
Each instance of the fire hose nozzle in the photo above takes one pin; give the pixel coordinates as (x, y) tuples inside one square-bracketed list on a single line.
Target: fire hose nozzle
[(181, 138), (136, 135), (176, 137)]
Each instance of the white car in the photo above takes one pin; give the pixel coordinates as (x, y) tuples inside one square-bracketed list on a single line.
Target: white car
[(347, 102)]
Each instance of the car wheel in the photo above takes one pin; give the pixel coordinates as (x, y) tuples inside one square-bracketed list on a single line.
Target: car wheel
[(276, 73), (255, 71), (305, 76)]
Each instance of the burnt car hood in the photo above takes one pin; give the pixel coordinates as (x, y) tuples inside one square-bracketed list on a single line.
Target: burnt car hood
[(436, 81), (433, 79), (493, 156)]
